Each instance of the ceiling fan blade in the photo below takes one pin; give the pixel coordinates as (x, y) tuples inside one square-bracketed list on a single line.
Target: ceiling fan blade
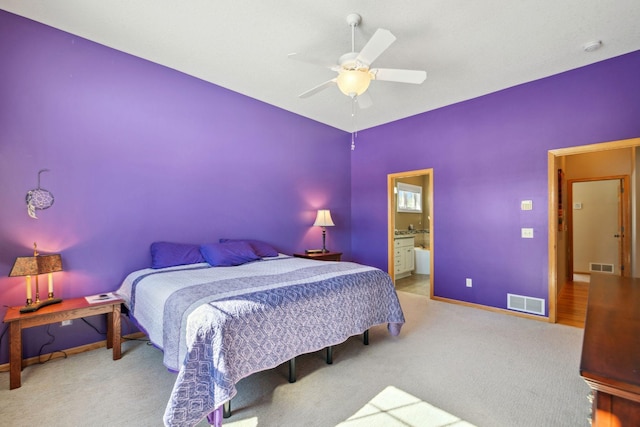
[(380, 41), (364, 100), (318, 88), (401, 76), (313, 61)]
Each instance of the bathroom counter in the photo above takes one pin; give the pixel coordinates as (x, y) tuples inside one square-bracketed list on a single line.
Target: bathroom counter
[(409, 233)]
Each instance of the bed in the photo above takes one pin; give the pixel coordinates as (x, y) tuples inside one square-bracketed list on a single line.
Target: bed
[(217, 325)]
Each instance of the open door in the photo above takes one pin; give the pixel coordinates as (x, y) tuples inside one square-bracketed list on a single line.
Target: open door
[(597, 220)]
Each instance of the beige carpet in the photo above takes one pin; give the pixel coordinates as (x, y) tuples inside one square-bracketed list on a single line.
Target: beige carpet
[(462, 365)]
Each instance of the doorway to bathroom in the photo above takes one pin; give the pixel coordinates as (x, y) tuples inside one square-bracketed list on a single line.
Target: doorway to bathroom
[(410, 230)]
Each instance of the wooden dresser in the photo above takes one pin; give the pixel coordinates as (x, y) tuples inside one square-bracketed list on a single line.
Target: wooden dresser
[(610, 361)]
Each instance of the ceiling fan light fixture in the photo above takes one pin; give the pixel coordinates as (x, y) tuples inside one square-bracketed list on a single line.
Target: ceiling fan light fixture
[(353, 82)]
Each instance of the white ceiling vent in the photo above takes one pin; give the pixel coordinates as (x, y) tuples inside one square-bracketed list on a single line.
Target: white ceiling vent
[(526, 304)]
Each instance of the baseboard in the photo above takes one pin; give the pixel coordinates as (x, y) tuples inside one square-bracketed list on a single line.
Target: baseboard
[(494, 309), (70, 351)]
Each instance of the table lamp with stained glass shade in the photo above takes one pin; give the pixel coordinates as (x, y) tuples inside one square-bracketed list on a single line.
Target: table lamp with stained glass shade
[(34, 266)]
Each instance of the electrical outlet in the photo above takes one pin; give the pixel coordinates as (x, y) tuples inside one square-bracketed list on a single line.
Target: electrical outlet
[(469, 283), (66, 322)]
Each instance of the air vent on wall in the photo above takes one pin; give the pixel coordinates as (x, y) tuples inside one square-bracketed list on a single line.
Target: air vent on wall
[(526, 304), (601, 268)]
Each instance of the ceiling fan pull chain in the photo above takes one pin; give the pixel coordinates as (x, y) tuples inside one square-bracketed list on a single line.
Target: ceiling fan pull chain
[(354, 99)]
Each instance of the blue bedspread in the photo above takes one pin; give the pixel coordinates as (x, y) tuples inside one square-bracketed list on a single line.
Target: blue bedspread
[(219, 325)]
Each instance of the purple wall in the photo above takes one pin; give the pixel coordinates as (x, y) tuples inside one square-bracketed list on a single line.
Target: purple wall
[(138, 153), (487, 155)]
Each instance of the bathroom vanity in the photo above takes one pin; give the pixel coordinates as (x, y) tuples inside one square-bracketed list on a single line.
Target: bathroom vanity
[(404, 256)]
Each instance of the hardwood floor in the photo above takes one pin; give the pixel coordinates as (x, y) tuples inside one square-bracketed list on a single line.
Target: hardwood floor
[(572, 302)]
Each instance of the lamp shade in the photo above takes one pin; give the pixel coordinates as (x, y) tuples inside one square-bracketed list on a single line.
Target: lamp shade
[(34, 265), (323, 219), (353, 82)]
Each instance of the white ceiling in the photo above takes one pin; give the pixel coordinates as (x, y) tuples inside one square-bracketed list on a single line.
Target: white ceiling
[(468, 47)]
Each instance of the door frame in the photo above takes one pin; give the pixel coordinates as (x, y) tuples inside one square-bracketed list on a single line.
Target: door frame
[(552, 180), (624, 245), (391, 220)]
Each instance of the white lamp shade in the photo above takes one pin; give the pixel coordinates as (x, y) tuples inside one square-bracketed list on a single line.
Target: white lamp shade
[(323, 219), (353, 82)]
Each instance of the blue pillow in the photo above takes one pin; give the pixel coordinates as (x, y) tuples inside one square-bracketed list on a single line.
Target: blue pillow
[(166, 254), (228, 253), (262, 249)]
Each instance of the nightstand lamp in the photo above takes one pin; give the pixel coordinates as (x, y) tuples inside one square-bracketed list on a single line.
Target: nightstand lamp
[(33, 266), (323, 219)]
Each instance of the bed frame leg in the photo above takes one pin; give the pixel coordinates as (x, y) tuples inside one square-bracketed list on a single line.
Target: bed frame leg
[(226, 409), (365, 337), (292, 370), (330, 355)]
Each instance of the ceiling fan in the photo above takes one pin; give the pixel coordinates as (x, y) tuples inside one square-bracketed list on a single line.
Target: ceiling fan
[(354, 68)]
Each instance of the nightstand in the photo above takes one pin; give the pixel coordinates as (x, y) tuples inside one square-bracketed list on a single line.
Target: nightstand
[(321, 256), (68, 309)]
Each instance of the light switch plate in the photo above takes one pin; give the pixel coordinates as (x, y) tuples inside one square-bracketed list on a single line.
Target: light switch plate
[(527, 233), (526, 205)]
